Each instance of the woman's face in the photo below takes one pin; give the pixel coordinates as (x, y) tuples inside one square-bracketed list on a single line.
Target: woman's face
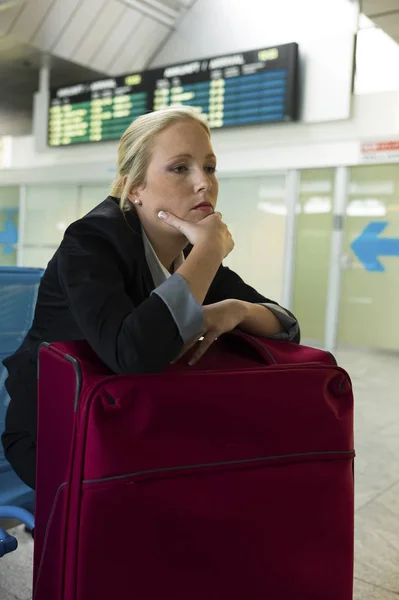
[(180, 177)]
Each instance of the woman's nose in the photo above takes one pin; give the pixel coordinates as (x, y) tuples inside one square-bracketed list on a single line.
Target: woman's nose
[(202, 182)]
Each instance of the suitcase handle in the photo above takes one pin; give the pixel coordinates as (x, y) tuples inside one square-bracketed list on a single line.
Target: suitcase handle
[(282, 352), (257, 343)]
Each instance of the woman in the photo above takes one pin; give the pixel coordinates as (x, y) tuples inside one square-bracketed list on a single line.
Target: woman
[(140, 276)]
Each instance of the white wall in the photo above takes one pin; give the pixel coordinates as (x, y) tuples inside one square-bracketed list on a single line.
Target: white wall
[(324, 30), (248, 149), (377, 59)]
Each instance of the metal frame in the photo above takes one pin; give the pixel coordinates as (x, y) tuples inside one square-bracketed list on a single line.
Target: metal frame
[(335, 270), (21, 225), (292, 188)]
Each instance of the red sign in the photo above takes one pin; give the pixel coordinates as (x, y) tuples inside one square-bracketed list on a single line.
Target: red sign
[(380, 151)]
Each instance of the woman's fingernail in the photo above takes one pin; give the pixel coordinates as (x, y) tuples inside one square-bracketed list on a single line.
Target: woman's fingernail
[(163, 215)]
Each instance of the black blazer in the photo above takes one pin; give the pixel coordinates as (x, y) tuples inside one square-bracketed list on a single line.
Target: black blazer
[(97, 287)]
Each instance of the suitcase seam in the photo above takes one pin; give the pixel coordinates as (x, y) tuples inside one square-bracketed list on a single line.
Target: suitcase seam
[(61, 487), (220, 464)]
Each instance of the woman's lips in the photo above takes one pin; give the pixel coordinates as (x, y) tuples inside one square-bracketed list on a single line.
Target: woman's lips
[(205, 207)]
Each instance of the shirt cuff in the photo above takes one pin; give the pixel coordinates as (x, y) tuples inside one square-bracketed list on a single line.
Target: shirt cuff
[(185, 310), (288, 322)]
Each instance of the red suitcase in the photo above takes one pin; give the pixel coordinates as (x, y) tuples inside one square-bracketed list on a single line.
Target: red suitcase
[(230, 480)]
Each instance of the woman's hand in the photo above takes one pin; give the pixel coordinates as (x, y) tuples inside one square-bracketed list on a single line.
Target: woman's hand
[(210, 232), (220, 318)]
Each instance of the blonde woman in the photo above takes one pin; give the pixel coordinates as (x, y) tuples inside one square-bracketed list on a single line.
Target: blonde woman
[(140, 277)]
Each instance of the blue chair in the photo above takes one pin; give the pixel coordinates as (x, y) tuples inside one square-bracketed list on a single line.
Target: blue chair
[(18, 293)]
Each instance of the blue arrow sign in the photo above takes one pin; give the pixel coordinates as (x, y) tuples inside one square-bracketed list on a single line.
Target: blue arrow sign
[(9, 236), (368, 246)]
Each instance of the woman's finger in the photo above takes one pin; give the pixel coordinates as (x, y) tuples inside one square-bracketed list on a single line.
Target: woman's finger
[(203, 347), (173, 221), (187, 348), (187, 228)]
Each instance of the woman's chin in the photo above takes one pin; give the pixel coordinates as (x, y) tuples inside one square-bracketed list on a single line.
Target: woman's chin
[(195, 216)]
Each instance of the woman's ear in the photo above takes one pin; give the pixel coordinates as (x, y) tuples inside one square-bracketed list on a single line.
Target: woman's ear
[(134, 197), (133, 194)]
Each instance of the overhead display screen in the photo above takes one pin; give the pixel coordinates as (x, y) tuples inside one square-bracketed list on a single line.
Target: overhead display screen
[(239, 89)]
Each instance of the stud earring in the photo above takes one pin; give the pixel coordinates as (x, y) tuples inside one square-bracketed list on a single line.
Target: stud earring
[(137, 202)]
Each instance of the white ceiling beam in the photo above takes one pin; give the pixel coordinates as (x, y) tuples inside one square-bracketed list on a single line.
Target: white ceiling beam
[(148, 11), (159, 6)]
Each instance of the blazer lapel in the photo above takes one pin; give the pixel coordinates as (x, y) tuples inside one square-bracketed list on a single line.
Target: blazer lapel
[(146, 279)]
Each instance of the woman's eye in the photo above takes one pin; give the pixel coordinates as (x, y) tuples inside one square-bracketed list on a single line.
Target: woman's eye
[(210, 169), (180, 169)]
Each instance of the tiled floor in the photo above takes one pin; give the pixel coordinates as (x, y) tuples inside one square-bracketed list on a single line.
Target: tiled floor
[(376, 382)]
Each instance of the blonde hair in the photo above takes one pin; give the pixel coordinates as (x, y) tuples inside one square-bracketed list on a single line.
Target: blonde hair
[(136, 144)]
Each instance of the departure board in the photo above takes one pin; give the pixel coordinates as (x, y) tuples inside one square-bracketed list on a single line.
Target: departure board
[(239, 89)]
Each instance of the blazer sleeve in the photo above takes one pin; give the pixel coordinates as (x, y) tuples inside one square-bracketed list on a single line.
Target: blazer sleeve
[(227, 284), (128, 338)]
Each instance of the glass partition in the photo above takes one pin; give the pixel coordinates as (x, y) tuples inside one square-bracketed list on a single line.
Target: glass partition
[(48, 211), (91, 195), (312, 254), (255, 210)]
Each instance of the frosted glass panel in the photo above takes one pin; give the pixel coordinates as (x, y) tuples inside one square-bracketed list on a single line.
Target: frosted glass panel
[(49, 210), (312, 253), (9, 210), (37, 257), (9, 197), (255, 210), (90, 196)]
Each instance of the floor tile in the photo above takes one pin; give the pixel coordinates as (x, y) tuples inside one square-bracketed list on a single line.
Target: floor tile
[(375, 378), (365, 591), (376, 465), (377, 541), (16, 568)]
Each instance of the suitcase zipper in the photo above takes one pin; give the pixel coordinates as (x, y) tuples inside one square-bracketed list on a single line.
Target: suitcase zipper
[(325, 454)]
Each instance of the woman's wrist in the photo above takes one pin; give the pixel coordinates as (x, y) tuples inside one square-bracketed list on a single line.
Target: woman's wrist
[(199, 270), (210, 251), (242, 310), (260, 321)]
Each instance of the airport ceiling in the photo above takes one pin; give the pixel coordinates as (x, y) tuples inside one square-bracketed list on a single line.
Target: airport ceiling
[(86, 39), (385, 14)]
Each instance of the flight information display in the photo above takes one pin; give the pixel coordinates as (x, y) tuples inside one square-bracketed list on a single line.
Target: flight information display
[(239, 89)]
